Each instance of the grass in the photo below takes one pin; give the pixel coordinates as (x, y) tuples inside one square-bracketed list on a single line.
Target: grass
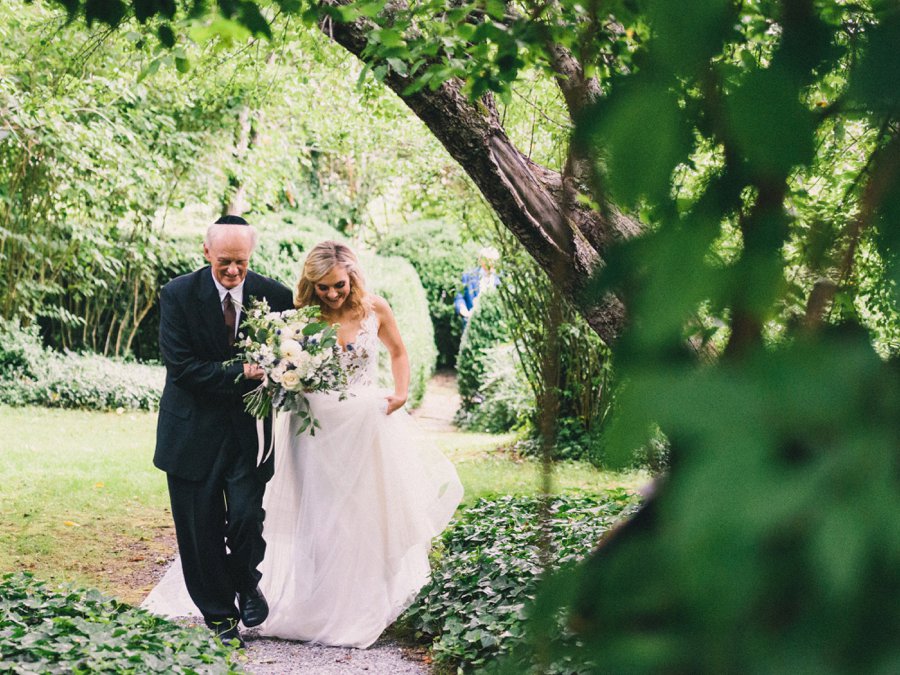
[(80, 500), (487, 472)]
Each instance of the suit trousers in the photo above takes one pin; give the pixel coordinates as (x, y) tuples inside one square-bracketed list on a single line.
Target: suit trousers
[(218, 524)]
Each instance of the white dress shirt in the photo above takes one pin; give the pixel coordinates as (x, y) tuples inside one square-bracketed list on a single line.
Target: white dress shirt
[(237, 297)]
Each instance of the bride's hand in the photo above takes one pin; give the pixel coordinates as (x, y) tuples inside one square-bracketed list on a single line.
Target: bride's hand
[(394, 403)]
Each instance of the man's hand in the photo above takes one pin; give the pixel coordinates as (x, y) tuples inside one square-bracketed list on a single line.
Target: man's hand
[(253, 372)]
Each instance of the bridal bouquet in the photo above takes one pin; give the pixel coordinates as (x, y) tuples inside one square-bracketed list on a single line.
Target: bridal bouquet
[(298, 353)]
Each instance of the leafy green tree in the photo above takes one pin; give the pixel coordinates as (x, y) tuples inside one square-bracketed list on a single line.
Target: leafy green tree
[(773, 544)]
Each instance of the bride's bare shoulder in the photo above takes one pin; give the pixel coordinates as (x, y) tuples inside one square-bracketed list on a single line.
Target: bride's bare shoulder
[(379, 305)]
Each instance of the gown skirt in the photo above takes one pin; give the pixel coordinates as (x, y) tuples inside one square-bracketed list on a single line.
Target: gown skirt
[(350, 515)]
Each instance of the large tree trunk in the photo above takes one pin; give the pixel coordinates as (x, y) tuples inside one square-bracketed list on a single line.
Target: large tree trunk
[(566, 238)]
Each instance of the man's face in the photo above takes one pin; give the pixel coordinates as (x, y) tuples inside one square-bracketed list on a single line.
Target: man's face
[(228, 252)]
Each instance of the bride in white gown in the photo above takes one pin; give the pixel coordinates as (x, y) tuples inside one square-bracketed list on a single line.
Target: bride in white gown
[(352, 510)]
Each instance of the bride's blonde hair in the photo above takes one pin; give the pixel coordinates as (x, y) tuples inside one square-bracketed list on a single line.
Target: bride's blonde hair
[(323, 258)]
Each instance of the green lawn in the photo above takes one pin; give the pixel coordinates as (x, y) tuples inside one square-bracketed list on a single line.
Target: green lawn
[(79, 497), (81, 501), (485, 471)]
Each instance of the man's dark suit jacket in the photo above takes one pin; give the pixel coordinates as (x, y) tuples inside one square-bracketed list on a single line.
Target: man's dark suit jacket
[(201, 403)]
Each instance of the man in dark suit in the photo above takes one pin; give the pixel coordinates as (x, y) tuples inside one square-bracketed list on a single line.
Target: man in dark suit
[(205, 442)]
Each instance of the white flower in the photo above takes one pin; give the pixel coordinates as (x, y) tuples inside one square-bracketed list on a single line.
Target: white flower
[(291, 380), (265, 356), (304, 363), (278, 371), (294, 330), (291, 350)]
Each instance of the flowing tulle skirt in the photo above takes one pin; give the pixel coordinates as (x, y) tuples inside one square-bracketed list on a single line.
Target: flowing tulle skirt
[(350, 515)]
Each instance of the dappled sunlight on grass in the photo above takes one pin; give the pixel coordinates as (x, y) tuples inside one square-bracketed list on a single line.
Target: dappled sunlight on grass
[(487, 469), (78, 492)]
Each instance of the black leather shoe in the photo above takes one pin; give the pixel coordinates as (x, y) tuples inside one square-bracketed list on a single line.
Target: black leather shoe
[(253, 606), (227, 631)]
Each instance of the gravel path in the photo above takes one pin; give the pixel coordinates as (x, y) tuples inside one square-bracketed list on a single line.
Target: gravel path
[(270, 656)]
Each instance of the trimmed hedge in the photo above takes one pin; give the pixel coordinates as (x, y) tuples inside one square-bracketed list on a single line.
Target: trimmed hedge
[(32, 375), (437, 252), (396, 280)]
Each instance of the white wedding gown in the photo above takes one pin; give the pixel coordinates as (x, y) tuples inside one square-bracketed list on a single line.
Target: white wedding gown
[(350, 514)]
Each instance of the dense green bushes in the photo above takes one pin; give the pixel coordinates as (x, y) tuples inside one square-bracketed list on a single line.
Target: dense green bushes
[(494, 393), (440, 256), (66, 630), (490, 567), (487, 328), (32, 375)]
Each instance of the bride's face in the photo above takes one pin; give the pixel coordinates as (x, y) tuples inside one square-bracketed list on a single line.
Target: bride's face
[(333, 288)]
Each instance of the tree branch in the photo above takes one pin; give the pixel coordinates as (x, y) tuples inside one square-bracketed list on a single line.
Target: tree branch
[(565, 236)]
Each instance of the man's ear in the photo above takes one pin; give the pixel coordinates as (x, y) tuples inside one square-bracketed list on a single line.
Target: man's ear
[(206, 252)]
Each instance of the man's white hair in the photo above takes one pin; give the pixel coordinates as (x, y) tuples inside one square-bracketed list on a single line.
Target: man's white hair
[(216, 229)]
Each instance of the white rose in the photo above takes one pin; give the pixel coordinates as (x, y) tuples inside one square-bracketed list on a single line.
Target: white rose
[(278, 371), (291, 350), (291, 380)]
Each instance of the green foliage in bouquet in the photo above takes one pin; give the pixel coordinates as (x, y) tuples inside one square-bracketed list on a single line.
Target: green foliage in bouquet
[(298, 353), (70, 630)]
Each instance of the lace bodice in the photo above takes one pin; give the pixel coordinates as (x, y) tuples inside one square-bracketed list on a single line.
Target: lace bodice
[(360, 357)]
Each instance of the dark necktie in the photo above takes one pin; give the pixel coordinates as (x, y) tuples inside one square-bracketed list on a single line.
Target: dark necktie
[(230, 317)]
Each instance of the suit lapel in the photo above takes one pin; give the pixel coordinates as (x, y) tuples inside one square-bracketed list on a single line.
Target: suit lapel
[(210, 310), (251, 290)]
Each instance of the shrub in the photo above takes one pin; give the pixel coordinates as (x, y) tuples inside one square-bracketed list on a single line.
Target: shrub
[(489, 570), (396, 280), (487, 329), (504, 400), (66, 630), (440, 257), (574, 350), (32, 375)]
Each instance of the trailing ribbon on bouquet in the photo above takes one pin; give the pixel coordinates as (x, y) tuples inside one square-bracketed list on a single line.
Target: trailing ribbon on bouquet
[(263, 452)]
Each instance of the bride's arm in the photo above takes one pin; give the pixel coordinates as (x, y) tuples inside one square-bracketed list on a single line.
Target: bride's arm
[(389, 334)]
